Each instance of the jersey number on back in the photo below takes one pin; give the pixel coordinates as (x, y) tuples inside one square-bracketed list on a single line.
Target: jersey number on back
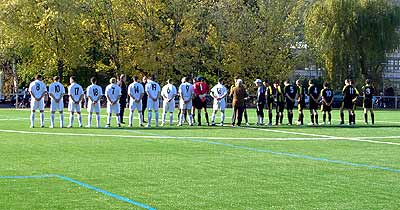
[(37, 87), (219, 91), (187, 88), (328, 93), (57, 89), (76, 91), (95, 92), (153, 87), (113, 90), (351, 90), (367, 91)]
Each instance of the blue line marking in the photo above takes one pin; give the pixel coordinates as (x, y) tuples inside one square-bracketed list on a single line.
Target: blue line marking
[(83, 185), (105, 192), (296, 155)]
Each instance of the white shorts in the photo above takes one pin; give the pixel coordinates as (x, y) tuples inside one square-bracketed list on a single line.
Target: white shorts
[(73, 107), (115, 108), (54, 106), (133, 105), (168, 106), (37, 104), (93, 107), (219, 105), (152, 105), (187, 106)]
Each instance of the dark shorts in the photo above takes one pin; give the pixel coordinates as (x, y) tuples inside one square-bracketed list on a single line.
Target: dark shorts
[(280, 106), (347, 104), (313, 105), (260, 106), (198, 103), (289, 105), (326, 108), (367, 103)]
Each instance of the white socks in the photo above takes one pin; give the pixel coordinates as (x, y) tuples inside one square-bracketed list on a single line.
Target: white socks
[(171, 118), (32, 119), (52, 120), (98, 120), (90, 119)]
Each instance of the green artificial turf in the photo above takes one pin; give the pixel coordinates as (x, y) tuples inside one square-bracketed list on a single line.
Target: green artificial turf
[(248, 167)]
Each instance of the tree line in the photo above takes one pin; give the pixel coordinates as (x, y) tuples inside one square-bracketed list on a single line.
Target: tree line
[(212, 38)]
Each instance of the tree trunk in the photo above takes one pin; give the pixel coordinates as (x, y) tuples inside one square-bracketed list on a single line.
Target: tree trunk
[(14, 71), (60, 69)]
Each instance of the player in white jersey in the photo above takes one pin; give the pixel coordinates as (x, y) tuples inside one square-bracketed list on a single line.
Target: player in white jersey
[(76, 96), (56, 93), (135, 92), (168, 94), (37, 89), (153, 91), (186, 93), (94, 94), (219, 92), (113, 93)]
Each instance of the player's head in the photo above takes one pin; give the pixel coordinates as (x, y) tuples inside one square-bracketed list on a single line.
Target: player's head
[(38, 77), (326, 84), (258, 82), (239, 82), (93, 80), (311, 82), (235, 79), (276, 83), (298, 82), (266, 82), (346, 82), (122, 77), (184, 79), (56, 78), (287, 82), (113, 80), (144, 79), (368, 81), (170, 81), (72, 79), (220, 81), (351, 82), (135, 78), (151, 77)]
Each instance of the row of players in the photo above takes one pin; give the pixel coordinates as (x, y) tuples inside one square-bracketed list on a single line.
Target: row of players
[(286, 97), (266, 96), (136, 91)]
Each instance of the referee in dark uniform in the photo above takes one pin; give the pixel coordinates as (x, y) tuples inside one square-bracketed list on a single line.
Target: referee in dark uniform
[(124, 96)]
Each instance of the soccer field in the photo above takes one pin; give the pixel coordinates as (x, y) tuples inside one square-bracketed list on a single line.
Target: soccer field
[(286, 167)]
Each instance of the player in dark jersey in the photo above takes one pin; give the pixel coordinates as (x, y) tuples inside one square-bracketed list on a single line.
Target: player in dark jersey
[(269, 94), (260, 101), (301, 102), (314, 95), (327, 99), (280, 103), (368, 92), (355, 96), (348, 95), (290, 97)]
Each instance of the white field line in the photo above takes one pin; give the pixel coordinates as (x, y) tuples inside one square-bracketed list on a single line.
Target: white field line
[(360, 139), (153, 136)]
